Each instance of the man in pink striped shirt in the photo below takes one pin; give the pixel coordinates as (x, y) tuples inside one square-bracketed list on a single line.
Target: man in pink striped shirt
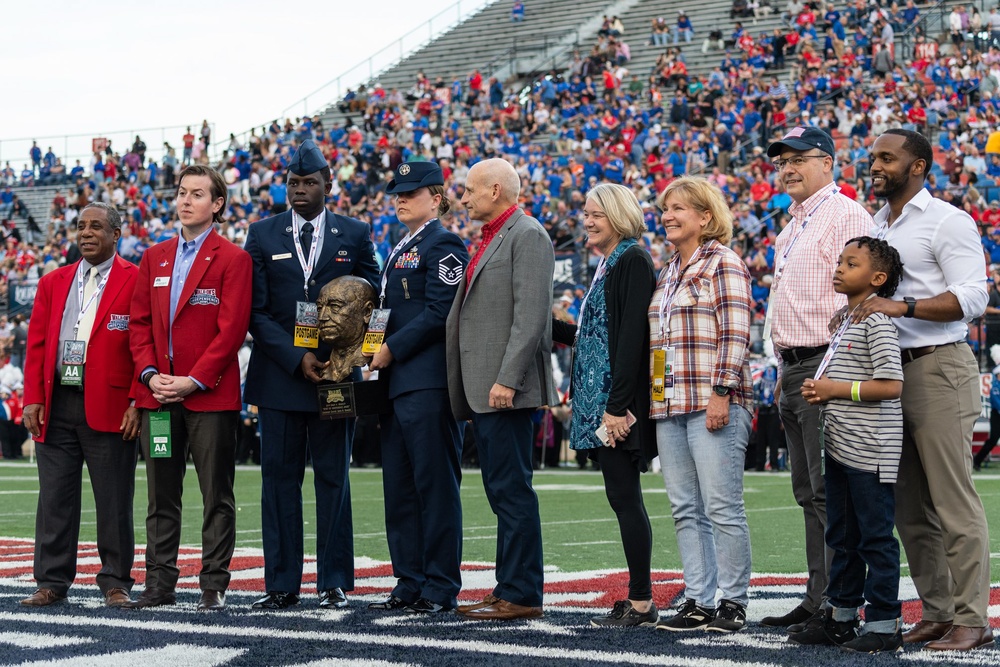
[(801, 306)]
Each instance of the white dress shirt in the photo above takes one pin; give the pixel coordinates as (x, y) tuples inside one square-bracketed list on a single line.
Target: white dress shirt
[(941, 251)]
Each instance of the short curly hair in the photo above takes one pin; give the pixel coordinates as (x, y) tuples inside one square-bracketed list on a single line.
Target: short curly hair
[(885, 258)]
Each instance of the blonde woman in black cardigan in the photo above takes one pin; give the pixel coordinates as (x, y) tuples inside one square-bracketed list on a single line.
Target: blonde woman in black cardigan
[(610, 385)]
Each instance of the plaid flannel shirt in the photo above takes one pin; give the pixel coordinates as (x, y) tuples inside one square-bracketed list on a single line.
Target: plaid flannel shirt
[(709, 327)]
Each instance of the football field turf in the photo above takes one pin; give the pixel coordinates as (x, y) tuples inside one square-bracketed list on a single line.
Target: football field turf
[(579, 530), (584, 576)]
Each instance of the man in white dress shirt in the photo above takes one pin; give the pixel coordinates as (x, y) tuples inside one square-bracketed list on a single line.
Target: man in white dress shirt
[(939, 514)]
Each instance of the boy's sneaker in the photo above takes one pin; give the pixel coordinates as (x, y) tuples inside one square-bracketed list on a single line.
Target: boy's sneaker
[(830, 633), (689, 617), (624, 615), (875, 642), (729, 617)]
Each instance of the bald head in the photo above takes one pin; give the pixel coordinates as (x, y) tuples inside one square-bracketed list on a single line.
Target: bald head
[(491, 188)]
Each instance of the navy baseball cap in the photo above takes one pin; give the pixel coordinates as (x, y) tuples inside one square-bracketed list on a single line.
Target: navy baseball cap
[(411, 176), (802, 139), (308, 159)]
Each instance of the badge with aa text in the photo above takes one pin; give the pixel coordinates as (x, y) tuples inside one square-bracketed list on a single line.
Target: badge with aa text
[(72, 365), (376, 331), (306, 324), (159, 435)]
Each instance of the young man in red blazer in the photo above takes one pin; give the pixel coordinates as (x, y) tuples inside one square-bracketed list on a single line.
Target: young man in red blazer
[(189, 317), (77, 376)]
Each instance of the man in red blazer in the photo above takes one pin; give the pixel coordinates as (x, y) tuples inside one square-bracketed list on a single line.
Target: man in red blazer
[(189, 318), (77, 376)]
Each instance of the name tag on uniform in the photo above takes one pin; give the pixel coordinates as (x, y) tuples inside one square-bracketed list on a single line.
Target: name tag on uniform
[(159, 435), (72, 365), (284, 255), (663, 374), (161, 281), (377, 325), (306, 324)]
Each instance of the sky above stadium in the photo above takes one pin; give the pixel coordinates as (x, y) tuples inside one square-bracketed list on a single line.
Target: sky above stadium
[(86, 67)]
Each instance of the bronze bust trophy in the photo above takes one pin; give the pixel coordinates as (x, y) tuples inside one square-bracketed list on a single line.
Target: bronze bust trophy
[(345, 304)]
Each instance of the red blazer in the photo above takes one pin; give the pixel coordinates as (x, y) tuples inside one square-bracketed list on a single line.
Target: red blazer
[(109, 372), (209, 327)]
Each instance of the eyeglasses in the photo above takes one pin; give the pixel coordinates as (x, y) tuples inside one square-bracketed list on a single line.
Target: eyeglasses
[(797, 162)]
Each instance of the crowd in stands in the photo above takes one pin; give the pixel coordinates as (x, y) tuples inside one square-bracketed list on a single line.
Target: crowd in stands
[(842, 67)]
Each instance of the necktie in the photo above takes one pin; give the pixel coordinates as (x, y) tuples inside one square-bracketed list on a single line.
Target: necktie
[(305, 239), (87, 321)]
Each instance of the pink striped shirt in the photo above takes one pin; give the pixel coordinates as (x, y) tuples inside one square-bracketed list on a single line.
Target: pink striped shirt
[(802, 297)]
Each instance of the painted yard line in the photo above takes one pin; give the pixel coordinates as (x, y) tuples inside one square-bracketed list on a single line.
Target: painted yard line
[(19, 492), (30, 640), (385, 639), (584, 544), (178, 654), (340, 662)]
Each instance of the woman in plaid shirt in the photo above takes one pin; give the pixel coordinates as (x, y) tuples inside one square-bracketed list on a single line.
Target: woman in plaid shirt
[(699, 321)]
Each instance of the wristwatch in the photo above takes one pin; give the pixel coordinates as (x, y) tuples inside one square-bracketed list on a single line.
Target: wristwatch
[(721, 390), (911, 305), (146, 377)]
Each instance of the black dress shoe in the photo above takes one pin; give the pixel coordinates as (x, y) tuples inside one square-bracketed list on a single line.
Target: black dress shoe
[(798, 615), (391, 603), (276, 600), (425, 606), (332, 598), (152, 597), (212, 601)]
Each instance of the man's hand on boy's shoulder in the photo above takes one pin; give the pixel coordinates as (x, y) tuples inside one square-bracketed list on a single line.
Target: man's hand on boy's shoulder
[(877, 304)]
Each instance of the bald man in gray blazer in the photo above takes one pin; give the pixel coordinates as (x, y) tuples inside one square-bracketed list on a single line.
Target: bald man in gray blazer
[(499, 341)]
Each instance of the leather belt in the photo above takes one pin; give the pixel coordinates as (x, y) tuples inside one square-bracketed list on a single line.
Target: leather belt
[(794, 355), (909, 354)]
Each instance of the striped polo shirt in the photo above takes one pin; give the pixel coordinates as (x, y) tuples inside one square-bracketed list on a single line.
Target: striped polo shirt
[(866, 435)]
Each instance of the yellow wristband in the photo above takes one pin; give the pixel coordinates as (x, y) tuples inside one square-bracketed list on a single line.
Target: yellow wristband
[(856, 392)]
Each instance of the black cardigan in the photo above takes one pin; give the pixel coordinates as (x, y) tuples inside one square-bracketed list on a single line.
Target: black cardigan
[(628, 290)]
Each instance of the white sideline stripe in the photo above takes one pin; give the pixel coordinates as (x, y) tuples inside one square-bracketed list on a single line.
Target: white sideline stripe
[(584, 544), (178, 654), (19, 492), (554, 653), (340, 662), (29, 640), (768, 642)]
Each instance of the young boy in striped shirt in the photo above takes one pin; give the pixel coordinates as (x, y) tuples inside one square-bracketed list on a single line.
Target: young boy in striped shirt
[(859, 383)]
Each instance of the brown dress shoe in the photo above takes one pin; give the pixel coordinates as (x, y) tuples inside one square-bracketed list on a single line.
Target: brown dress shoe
[(501, 610), (43, 597), (962, 638), (926, 631), (212, 601), (487, 601), (116, 597), (152, 597)]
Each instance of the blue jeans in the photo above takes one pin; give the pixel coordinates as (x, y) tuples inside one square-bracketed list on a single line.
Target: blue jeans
[(859, 515), (703, 472)]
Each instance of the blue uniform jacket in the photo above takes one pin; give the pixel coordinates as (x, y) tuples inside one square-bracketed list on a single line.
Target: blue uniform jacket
[(421, 281), (274, 379)]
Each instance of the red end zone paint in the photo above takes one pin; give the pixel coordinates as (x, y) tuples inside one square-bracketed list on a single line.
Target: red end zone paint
[(565, 589)]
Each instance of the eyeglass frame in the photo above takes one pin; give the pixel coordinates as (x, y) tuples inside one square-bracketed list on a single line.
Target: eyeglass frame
[(779, 164)]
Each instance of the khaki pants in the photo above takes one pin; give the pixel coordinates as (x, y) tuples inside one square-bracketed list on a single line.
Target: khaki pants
[(939, 515)]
